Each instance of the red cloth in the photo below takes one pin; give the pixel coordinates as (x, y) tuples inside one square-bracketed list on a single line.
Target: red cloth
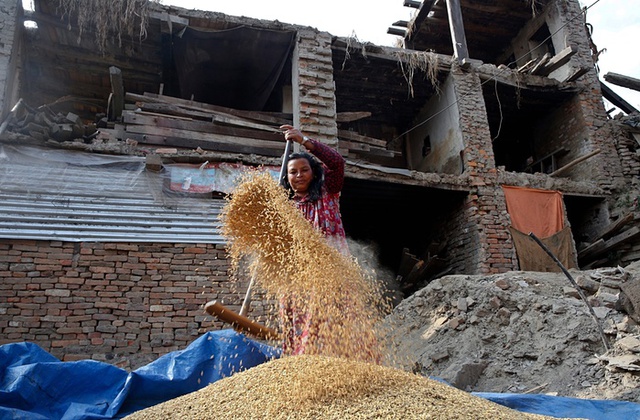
[(324, 214), (537, 211)]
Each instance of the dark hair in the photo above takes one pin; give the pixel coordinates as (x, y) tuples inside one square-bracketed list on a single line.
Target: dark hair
[(315, 188)]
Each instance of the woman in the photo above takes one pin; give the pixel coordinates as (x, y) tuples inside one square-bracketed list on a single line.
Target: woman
[(316, 189)]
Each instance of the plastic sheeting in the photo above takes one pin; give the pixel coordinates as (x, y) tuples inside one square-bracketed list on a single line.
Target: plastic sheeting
[(36, 385), (566, 407)]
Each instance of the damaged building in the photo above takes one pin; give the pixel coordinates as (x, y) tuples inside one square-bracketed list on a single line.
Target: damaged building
[(486, 123)]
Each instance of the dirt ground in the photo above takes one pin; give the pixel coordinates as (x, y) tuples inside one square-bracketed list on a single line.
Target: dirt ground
[(524, 332)]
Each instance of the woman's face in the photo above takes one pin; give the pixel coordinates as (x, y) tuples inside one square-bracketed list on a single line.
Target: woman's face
[(299, 175)]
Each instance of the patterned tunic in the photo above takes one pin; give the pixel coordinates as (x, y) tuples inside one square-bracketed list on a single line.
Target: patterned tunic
[(324, 214)]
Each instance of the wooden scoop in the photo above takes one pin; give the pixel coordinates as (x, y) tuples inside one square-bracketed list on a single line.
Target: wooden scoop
[(239, 322)]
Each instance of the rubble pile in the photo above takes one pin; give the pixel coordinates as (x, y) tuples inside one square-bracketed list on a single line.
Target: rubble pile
[(525, 332)]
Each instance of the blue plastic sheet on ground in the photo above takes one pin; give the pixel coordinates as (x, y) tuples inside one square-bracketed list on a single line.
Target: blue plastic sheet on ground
[(36, 385), (565, 407)]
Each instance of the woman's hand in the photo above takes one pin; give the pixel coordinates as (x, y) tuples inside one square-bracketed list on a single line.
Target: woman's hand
[(292, 133)]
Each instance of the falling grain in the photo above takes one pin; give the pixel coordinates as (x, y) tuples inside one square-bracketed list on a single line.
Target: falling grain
[(294, 263)]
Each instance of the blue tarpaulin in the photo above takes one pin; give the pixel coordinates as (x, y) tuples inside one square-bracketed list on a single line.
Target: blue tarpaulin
[(36, 385)]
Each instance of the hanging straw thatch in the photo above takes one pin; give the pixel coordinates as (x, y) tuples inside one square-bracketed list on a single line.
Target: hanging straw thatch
[(107, 19)]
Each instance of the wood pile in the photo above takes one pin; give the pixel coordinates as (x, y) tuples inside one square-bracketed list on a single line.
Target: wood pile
[(612, 237), (545, 65), (173, 122), (43, 124), (414, 272)]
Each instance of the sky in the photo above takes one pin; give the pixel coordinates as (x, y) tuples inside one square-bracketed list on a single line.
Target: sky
[(616, 25)]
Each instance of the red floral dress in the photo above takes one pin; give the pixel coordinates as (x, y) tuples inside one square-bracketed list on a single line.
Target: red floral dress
[(324, 215)]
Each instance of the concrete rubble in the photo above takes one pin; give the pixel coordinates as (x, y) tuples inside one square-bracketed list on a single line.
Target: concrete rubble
[(523, 332)]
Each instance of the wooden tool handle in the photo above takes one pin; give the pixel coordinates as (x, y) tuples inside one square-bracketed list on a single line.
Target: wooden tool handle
[(239, 322)]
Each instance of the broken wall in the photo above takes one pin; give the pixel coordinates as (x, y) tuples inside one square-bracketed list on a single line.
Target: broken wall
[(440, 134), (10, 53)]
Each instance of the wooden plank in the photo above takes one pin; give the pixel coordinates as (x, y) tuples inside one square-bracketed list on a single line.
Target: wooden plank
[(407, 261), (537, 67), (353, 145), (456, 27), (620, 239), (624, 81), (615, 226), (188, 143), (352, 116), (160, 120), (574, 162), (577, 74), (194, 135), (212, 116), (116, 100), (274, 117), (615, 99), (558, 60), (606, 246), (350, 135), (591, 250)]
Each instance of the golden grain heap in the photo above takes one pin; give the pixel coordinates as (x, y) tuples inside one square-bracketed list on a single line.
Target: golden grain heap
[(293, 262), (317, 387)]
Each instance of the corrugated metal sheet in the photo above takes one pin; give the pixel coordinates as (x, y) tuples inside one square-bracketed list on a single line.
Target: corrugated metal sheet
[(80, 197)]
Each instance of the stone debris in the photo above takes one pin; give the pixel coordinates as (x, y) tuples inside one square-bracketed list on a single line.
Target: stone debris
[(532, 333)]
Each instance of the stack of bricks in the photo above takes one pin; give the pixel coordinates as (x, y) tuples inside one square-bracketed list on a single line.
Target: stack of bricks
[(125, 304), (315, 97)]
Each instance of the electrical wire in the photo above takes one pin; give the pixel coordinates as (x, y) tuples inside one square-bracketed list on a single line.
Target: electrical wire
[(495, 77)]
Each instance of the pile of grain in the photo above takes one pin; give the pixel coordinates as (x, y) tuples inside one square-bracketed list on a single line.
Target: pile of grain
[(293, 262), (306, 387)]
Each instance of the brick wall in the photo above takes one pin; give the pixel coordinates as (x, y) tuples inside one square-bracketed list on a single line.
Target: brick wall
[(313, 86), (125, 304), (481, 226)]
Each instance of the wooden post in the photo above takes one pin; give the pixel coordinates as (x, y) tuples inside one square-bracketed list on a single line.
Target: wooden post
[(117, 93), (456, 26)]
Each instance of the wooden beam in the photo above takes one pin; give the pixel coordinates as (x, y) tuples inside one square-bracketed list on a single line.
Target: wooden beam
[(624, 81), (574, 163), (578, 73), (615, 99), (350, 135), (396, 31), (352, 116), (456, 26), (615, 226), (166, 17), (619, 239), (188, 134), (268, 117), (170, 121), (413, 4), (537, 67), (401, 23), (116, 99), (558, 61)]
